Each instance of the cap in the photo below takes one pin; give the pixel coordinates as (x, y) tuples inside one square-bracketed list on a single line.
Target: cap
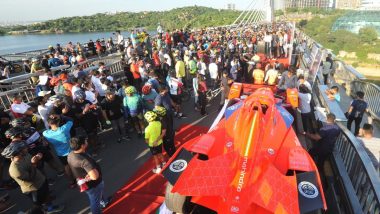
[(43, 93)]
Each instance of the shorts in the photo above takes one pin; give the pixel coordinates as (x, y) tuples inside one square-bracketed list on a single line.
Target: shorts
[(176, 98), (136, 118), (156, 150), (63, 160)]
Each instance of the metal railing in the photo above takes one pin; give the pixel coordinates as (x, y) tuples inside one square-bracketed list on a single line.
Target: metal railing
[(361, 172), (28, 92), (361, 184), (26, 54)]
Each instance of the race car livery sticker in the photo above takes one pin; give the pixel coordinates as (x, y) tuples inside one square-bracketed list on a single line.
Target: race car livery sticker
[(177, 166), (309, 192), (308, 189)]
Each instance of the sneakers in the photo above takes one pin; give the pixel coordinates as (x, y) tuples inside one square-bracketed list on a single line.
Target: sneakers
[(103, 204), (126, 138), (119, 140), (55, 209), (157, 170), (60, 174), (51, 181)]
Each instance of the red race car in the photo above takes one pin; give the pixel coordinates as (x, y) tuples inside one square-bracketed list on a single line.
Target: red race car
[(250, 161)]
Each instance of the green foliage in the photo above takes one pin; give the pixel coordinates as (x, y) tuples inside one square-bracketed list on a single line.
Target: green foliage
[(302, 23), (355, 64), (368, 34), (186, 17)]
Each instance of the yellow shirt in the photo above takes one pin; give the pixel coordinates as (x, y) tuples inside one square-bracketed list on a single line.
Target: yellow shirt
[(180, 69), (152, 132), (258, 76)]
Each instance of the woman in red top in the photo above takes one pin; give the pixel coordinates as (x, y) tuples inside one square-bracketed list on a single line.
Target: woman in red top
[(202, 99)]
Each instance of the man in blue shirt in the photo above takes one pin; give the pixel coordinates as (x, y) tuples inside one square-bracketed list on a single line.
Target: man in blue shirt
[(59, 137), (356, 112), (326, 138), (54, 61)]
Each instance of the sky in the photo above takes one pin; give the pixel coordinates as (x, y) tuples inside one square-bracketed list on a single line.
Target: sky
[(40, 10)]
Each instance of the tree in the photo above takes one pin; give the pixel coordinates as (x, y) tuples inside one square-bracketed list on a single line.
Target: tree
[(368, 34), (303, 23)]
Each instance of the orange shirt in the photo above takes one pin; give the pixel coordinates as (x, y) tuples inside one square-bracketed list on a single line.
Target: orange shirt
[(135, 71)]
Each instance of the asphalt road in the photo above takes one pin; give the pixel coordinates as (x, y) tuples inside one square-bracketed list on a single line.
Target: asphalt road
[(118, 163)]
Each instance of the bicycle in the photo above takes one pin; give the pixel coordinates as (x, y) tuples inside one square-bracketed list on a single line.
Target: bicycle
[(210, 94)]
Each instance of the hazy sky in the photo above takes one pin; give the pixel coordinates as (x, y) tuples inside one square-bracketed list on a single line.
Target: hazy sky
[(32, 10)]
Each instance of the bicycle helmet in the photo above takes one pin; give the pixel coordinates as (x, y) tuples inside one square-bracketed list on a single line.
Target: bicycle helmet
[(150, 116), (161, 111), (14, 132), (146, 89), (14, 149), (80, 94), (130, 90), (19, 122)]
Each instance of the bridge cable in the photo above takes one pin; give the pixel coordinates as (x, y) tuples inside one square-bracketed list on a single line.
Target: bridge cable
[(242, 13), (245, 16)]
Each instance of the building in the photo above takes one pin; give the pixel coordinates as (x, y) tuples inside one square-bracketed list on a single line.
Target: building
[(323, 4), (230, 7), (279, 4), (370, 5), (347, 4)]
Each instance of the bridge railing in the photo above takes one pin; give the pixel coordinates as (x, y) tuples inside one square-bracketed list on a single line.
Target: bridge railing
[(354, 172), (28, 92), (364, 178)]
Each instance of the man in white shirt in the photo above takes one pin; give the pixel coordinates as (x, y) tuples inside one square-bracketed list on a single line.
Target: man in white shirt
[(169, 60), (19, 108), (120, 40), (371, 145), (213, 69), (95, 79), (201, 67), (301, 80)]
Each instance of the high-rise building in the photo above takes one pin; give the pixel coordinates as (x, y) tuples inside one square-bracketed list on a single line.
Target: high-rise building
[(230, 6), (308, 4), (370, 5), (279, 4), (347, 4)]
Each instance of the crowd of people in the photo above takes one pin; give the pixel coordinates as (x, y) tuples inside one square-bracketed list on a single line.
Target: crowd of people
[(61, 128)]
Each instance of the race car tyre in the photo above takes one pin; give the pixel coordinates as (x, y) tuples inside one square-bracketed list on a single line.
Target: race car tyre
[(174, 201)]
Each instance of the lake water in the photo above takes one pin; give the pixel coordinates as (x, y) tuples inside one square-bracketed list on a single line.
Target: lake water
[(20, 43)]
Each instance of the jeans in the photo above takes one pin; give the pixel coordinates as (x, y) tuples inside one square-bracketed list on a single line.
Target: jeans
[(357, 120), (306, 121), (95, 195), (118, 126)]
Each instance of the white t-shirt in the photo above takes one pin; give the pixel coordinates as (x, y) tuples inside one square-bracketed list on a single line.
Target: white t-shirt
[(202, 68), (213, 68), (20, 108), (44, 112), (271, 75), (306, 83), (173, 85), (73, 90), (169, 60), (372, 147), (91, 97), (98, 85), (305, 102)]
